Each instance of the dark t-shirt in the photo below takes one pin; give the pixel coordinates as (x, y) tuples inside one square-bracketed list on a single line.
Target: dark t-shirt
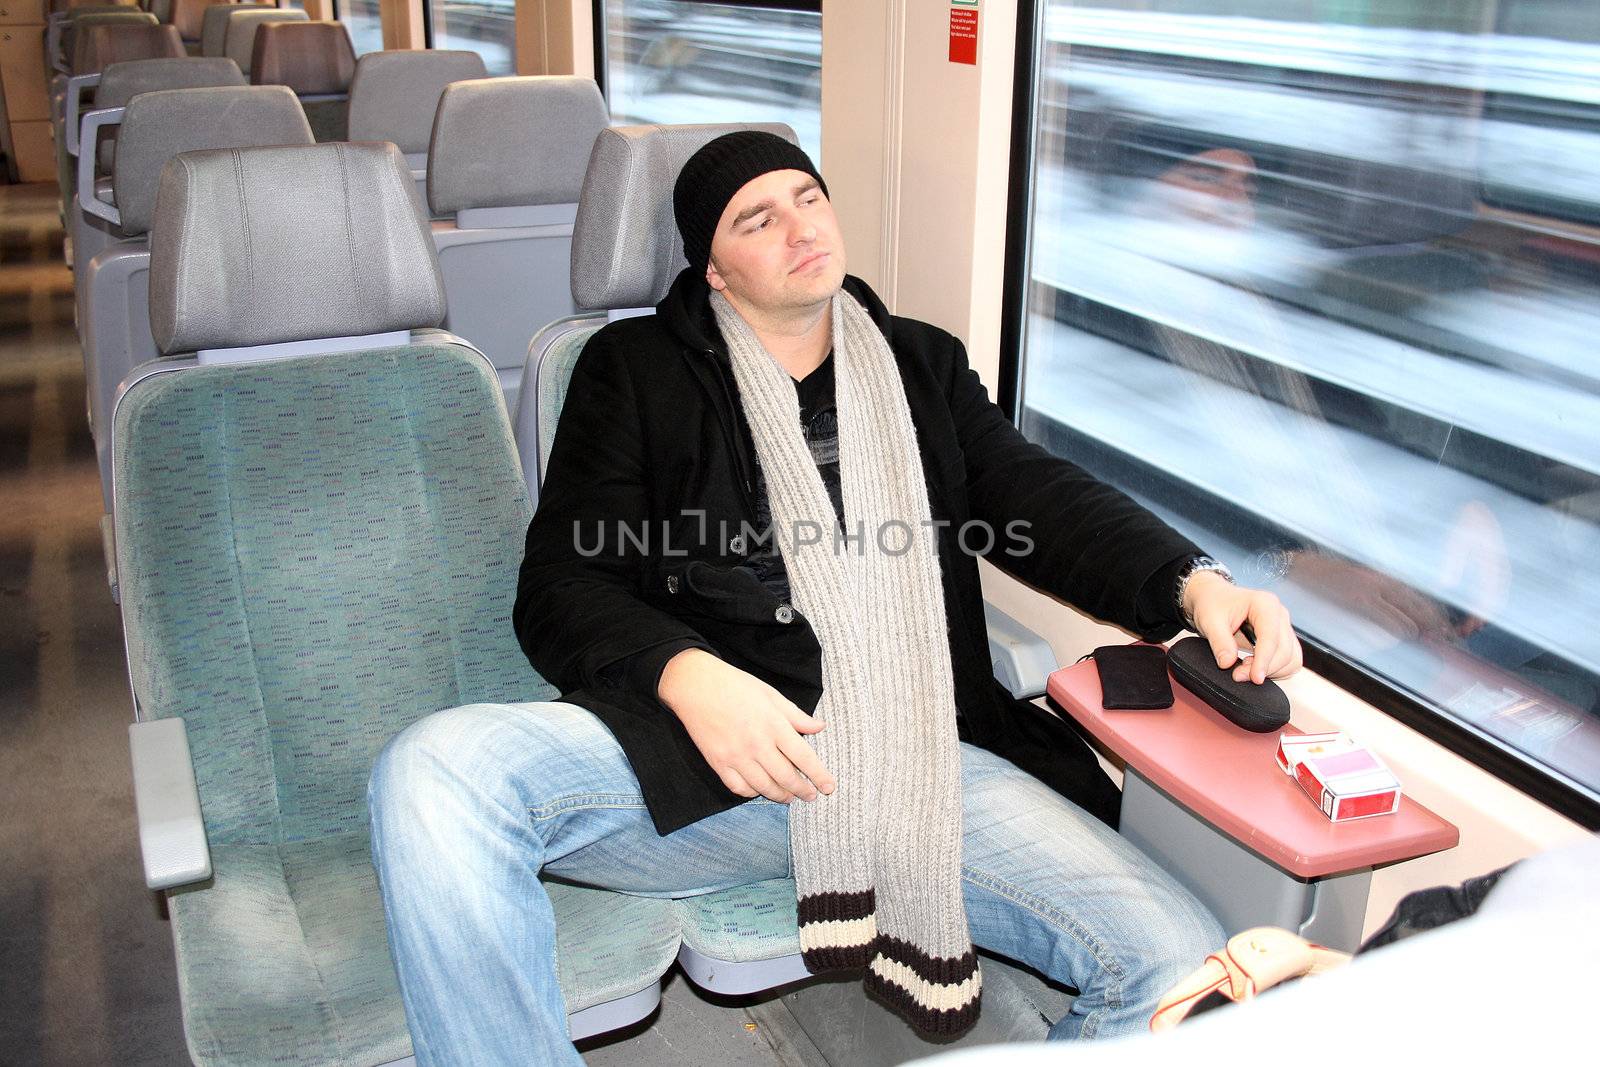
[(820, 422)]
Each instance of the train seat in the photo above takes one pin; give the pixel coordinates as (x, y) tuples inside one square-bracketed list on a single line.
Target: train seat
[(155, 126), (507, 161), (87, 49), (188, 16), (214, 25), (118, 84), (96, 47), (239, 35), (317, 61), (345, 567), (81, 20), (394, 96), (626, 252)]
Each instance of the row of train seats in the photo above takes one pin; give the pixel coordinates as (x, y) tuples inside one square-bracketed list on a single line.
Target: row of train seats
[(501, 167), (319, 507)]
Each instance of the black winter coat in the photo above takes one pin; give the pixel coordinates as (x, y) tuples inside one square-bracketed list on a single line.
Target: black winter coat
[(633, 553)]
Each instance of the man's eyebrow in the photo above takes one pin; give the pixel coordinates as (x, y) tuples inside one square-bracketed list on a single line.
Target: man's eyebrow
[(805, 187), (750, 212)]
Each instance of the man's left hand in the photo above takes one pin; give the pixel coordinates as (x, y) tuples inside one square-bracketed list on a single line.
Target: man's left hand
[(1220, 610)]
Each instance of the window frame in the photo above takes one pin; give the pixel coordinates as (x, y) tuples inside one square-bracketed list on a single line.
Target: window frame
[(1567, 798), (602, 73)]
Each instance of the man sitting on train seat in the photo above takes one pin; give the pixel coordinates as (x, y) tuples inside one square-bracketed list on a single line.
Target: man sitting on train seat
[(752, 575)]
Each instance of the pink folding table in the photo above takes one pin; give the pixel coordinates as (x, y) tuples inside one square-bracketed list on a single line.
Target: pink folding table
[(1205, 799)]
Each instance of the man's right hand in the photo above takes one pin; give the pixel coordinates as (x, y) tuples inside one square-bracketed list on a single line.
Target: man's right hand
[(746, 730)]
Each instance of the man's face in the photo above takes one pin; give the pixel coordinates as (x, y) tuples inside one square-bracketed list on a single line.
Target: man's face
[(777, 247)]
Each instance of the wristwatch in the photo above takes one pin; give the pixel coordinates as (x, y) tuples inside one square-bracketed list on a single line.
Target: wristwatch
[(1196, 566)]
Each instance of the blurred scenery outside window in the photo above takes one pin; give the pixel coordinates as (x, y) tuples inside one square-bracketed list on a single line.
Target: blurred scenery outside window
[(361, 19), (679, 61), (487, 27), (1320, 283)]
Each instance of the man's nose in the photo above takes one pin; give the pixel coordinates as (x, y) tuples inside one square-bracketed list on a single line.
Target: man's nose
[(802, 232)]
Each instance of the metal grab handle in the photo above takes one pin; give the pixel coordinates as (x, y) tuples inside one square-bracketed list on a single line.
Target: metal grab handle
[(93, 123)]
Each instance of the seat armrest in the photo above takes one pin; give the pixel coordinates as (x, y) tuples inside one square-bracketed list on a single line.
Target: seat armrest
[(172, 836), (1022, 660)]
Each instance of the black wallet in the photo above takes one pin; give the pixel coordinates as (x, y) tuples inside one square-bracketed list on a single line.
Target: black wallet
[(1133, 677), (1261, 708)]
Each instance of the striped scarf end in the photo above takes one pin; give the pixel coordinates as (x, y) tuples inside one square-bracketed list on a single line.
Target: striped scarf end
[(918, 1013), (935, 994), (837, 930)]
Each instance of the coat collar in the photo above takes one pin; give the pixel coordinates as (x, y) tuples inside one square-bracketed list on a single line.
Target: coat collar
[(686, 311)]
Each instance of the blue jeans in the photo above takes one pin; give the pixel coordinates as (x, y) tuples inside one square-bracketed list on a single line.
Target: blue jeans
[(471, 804)]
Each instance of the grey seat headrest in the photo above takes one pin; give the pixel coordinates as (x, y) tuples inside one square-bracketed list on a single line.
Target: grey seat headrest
[(97, 47), (625, 244), (121, 82), (395, 94), (312, 58), (239, 37), (159, 125), (512, 142), (258, 246), (214, 26)]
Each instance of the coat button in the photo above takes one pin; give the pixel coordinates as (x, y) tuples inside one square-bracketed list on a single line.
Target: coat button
[(784, 614), (736, 545), (672, 583)]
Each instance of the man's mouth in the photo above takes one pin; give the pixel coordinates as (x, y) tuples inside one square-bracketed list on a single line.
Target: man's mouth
[(810, 261)]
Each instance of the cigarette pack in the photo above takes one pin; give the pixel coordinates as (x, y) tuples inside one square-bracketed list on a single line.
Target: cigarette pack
[(1343, 779)]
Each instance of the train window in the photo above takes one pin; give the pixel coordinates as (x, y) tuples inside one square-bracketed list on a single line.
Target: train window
[(487, 27), (673, 61), (365, 23), (1321, 285)]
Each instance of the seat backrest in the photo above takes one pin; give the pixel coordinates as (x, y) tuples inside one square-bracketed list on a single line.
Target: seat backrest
[(312, 58), (121, 82), (189, 16), (313, 551), (626, 251), (506, 159), (83, 40), (394, 95), (626, 246), (239, 38), (114, 306), (160, 125), (214, 25)]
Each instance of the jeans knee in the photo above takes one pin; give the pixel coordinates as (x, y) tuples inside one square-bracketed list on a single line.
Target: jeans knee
[(434, 755)]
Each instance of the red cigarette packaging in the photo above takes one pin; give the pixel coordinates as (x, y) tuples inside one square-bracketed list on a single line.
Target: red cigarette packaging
[(1343, 779)]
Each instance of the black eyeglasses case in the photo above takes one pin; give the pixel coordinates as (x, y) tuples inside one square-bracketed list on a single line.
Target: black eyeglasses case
[(1261, 708)]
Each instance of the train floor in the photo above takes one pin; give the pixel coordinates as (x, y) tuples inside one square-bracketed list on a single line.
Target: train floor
[(85, 954)]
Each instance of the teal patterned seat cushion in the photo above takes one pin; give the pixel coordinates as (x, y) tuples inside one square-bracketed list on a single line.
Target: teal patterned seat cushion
[(554, 374), (744, 924), (313, 554), (282, 957)]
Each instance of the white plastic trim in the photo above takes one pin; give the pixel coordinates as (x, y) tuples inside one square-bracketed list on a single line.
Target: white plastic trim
[(735, 979), (172, 834), (291, 349), (1022, 660), (74, 105), (91, 204), (495, 218)]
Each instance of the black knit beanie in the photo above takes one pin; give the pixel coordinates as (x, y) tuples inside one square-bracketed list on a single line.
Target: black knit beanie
[(719, 170)]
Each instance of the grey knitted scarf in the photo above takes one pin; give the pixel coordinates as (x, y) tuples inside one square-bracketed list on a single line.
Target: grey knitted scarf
[(877, 863)]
